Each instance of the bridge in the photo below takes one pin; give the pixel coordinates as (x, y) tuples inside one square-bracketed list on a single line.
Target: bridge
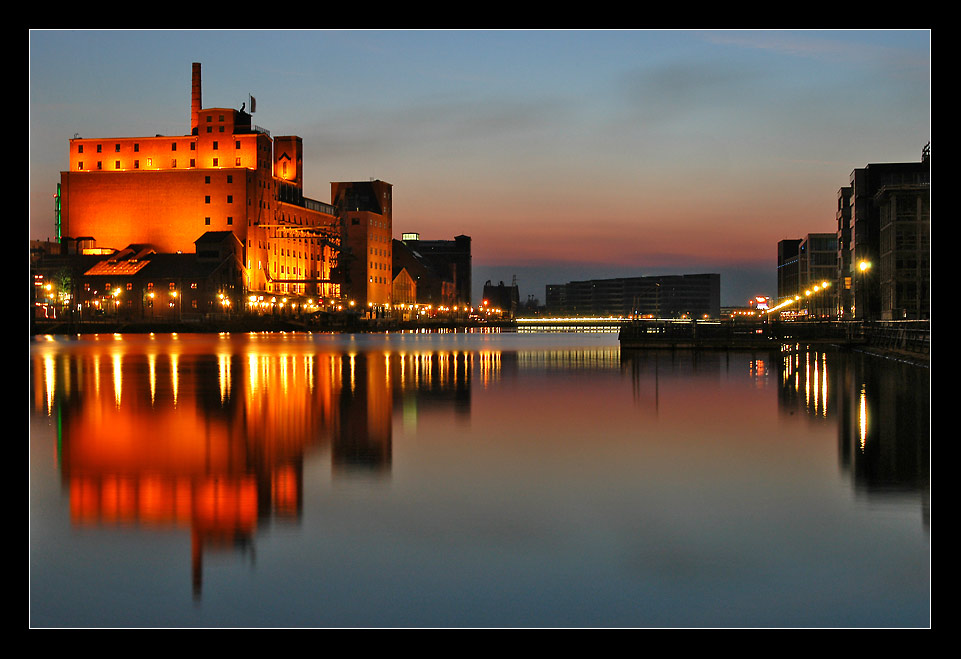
[(609, 325)]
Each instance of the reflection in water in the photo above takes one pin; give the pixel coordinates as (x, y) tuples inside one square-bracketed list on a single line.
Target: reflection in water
[(210, 434)]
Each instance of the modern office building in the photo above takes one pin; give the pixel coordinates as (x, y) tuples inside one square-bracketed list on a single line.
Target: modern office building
[(807, 272), (788, 269), (225, 174), (884, 226), (665, 296)]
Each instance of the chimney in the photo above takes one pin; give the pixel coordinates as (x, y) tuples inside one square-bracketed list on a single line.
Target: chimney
[(195, 100)]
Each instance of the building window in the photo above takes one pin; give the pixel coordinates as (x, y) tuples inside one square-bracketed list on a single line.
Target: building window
[(99, 149), (172, 286), (230, 199), (237, 144), (173, 163), (238, 162), (129, 286), (193, 146), (116, 164), (173, 147), (230, 178), (210, 118), (193, 163), (149, 162), (136, 164), (207, 221), (136, 148), (208, 127), (80, 148), (206, 199), (221, 128), (206, 179), (221, 117), (81, 164), (230, 220), (216, 161), (99, 164), (215, 145), (116, 148)]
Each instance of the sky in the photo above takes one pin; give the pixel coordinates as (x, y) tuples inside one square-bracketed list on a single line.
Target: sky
[(564, 155)]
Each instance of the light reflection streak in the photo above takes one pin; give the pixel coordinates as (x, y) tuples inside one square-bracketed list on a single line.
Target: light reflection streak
[(863, 417), (117, 378), (175, 375), (223, 361), (50, 378), (152, 371)]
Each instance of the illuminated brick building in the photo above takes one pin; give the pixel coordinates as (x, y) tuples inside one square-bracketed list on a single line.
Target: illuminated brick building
[(227, 174), (366, 259)]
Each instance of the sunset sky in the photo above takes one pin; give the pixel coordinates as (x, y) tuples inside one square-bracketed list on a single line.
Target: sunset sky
[(563, 154)]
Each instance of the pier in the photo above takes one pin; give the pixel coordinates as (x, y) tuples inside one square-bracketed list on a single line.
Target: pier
[(911, 338)]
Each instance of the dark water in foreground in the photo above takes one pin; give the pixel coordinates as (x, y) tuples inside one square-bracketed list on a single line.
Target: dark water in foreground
[(472, 480)]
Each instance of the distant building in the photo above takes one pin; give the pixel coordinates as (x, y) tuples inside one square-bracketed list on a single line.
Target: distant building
[(884, 227), (502, 297), (450, 259), (418, 281), (665, 296)]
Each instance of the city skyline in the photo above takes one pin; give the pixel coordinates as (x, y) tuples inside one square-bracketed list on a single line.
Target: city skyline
[(565, 155)]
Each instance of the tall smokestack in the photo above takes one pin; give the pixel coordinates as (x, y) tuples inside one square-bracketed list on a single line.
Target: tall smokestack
[(195, 100)]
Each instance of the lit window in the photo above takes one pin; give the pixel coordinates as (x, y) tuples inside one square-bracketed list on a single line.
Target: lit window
[(238, 162)]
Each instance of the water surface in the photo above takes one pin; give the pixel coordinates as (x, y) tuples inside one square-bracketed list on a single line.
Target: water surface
[(472, 480)]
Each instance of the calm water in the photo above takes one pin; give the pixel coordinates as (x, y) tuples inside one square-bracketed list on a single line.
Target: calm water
[(472, 480)]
